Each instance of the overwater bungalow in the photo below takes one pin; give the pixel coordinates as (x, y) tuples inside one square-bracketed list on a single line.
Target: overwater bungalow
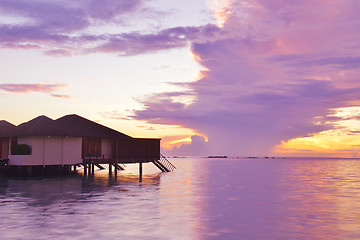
[(44, 144)]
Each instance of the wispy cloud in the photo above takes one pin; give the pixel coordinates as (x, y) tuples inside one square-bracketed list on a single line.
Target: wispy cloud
[(136, 43), (60, 96), (58, 53), (37, 87), (117, 115), (50, 25), (63, 28)]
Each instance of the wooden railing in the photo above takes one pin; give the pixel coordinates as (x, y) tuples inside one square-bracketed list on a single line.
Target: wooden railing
[(164, 165)]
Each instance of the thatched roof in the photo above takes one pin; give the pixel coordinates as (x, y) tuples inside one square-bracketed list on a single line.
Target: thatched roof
[(6, 128), (70, 125), (39, 126), (74, 125)]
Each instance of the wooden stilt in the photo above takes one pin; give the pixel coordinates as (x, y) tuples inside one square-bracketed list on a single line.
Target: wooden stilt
[(110, 168), (140, 172), (85, 169)]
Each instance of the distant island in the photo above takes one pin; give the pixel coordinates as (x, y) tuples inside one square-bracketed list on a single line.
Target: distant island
[(217, 156)]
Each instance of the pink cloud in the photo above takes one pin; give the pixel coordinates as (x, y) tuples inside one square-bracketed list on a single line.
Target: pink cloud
[(272, 76), (60, 96), (38, 87)]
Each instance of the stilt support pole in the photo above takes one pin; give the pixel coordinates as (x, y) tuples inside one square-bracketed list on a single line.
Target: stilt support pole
[(140, 172)]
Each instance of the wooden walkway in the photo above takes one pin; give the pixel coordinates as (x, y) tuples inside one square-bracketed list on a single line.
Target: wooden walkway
[(103, 162), (89, 164)]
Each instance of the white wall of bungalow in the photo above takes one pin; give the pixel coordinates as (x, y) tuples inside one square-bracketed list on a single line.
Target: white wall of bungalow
[(49, 150)]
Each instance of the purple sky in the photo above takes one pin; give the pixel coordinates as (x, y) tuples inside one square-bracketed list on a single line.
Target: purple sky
[(268, 71), (271, 71)]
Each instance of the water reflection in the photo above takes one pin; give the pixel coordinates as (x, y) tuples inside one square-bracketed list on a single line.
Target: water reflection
[(284, 199), (183, 201), (78, 207), (48, 190), (202, 199), (325, 197)]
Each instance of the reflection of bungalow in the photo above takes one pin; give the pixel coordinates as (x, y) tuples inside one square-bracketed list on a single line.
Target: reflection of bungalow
[(72, 140)]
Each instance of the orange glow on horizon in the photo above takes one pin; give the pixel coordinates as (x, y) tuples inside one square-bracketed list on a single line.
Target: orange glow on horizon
[(187, 140), (342, 141), (168, 145), (169, 142)]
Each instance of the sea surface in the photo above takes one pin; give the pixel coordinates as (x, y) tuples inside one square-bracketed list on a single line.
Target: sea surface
[(231, 198)]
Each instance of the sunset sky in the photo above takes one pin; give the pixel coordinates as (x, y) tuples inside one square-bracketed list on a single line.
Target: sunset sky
[(231, 77)]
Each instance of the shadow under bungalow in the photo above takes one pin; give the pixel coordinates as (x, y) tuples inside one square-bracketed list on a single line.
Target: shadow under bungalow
[(44, 146)]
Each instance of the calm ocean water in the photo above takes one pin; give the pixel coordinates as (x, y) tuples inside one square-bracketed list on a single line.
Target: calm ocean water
[(202, 199)]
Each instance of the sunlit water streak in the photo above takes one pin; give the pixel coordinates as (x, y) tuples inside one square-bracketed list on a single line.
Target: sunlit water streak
[(202, 199)]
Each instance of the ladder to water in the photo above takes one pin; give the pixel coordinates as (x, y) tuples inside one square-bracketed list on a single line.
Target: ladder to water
[(163, 164)]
